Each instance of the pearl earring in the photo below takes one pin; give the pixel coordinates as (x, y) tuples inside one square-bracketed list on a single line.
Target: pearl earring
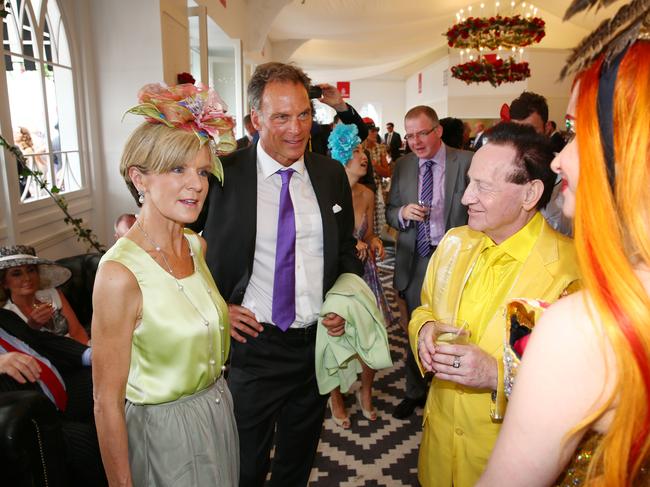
[(140, 197)]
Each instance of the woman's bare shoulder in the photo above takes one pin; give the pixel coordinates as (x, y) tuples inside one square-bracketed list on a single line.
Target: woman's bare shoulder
[(366, 193), (115, 279), (572, 329)]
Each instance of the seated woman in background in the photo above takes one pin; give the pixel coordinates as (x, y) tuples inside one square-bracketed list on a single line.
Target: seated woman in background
[(29, 284), (579, 413), (346, 148)]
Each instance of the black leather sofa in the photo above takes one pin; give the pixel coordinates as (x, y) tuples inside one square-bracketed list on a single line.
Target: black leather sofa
[(79, 289), (30, 441), (30, 429)]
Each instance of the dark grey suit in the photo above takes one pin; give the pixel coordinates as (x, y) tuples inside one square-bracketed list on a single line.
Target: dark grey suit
[(410, 268)]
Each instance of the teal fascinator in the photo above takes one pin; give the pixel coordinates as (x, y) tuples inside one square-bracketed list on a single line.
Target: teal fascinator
[(342, 142)]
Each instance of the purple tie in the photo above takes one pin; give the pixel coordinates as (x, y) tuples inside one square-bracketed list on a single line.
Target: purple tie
[(283, 311), (423, 241)]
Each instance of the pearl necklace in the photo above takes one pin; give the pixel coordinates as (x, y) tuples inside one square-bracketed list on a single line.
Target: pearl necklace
[(211, 361)]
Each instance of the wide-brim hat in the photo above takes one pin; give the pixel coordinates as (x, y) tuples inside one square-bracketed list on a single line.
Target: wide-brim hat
[(51, 274)]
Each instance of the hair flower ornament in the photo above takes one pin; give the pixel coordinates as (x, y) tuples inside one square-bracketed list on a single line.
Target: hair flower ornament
[(342, 142), (196, 109)]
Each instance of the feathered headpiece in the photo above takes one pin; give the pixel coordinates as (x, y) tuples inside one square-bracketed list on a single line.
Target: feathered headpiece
[(611, 40), (342, 142), (196, 109), (611, 37)]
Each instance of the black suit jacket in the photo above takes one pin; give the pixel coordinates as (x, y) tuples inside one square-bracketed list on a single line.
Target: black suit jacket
[(243, 142), (394, 146), (64, 353), (320, 133), (229, 221), (557, 141)]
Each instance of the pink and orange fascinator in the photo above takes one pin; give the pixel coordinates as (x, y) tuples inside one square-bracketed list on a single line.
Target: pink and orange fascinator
[(196, 109)]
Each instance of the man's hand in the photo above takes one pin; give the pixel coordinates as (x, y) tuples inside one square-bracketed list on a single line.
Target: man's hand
[(476, 368), (413, 212), (426, 347), (20, 367), (335, 324), (427, 337), (332, 97), (243, 320)]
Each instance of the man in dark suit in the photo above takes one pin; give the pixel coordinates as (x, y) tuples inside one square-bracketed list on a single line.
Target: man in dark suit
[(423, 203), (19, 370), (479, 138), (557, 141), (393, 141), (532, 109), (279, 233), (249, 134)]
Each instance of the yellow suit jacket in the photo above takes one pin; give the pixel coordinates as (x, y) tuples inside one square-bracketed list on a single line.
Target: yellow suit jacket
[(459, 429)]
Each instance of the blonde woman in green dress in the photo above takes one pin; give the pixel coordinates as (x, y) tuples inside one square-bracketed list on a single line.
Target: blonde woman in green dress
[(160, 327)]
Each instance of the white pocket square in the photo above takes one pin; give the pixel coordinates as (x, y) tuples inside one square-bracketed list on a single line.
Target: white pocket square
[(336, 208)]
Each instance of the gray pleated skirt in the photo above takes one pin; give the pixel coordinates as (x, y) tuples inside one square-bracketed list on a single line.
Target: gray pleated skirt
[(190, 442)]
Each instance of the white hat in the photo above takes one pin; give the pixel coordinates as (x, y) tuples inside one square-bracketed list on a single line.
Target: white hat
[(51, 274)]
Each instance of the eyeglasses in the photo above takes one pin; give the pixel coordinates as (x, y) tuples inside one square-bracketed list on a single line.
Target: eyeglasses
[(421, 134), (570, 124)]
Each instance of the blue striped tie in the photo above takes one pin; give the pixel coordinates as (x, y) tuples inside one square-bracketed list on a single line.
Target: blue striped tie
[(423, 242)]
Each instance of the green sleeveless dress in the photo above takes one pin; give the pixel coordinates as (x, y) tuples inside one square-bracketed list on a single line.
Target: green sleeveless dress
[(179, 410)]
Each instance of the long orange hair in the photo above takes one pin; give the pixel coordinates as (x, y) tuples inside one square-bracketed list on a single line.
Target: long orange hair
[(612, 238)]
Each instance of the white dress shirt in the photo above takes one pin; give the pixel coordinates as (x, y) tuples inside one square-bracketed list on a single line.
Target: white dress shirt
[(309, 242)]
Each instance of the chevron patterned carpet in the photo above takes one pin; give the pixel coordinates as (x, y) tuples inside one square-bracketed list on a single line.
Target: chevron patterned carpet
[(379, 453)]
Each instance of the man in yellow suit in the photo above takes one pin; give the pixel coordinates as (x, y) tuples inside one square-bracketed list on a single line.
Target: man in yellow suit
[(506, 251)]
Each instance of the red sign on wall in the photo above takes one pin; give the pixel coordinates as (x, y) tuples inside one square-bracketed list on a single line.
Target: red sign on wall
[(344, 88), (419, 82)]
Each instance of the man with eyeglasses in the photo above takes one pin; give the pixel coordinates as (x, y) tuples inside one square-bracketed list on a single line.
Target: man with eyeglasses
[(506, 251), (424, 202)]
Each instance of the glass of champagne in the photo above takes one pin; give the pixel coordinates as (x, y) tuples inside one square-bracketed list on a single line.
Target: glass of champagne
[(426, 207), (459, 337)]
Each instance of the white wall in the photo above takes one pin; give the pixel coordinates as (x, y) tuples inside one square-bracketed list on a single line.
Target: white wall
[(482, 100), (386, 96), (127, 48), (546, 66), (434, 93)]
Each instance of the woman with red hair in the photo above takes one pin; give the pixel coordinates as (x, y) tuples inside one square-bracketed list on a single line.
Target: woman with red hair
[(579, 413)]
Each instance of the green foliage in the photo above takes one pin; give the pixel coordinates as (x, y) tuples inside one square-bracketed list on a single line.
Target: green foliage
[(53, 191)]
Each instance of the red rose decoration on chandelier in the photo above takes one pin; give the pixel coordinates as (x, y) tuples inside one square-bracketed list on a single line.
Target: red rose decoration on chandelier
[(492, 34), (495, 73)]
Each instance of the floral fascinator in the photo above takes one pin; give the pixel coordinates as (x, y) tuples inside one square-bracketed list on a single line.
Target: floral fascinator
[(196, 109), (342, 142)]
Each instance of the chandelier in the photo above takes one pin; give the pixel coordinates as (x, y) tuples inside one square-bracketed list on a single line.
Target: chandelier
[(494, 46)]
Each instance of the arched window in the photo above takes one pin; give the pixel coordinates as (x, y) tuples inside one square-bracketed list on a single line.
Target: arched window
[(40, 95)]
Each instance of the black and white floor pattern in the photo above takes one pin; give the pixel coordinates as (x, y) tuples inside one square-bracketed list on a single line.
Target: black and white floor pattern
[(379, 453)]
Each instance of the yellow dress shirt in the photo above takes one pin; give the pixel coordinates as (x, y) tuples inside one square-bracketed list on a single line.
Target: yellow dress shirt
[(494, 273), (472, 279)]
